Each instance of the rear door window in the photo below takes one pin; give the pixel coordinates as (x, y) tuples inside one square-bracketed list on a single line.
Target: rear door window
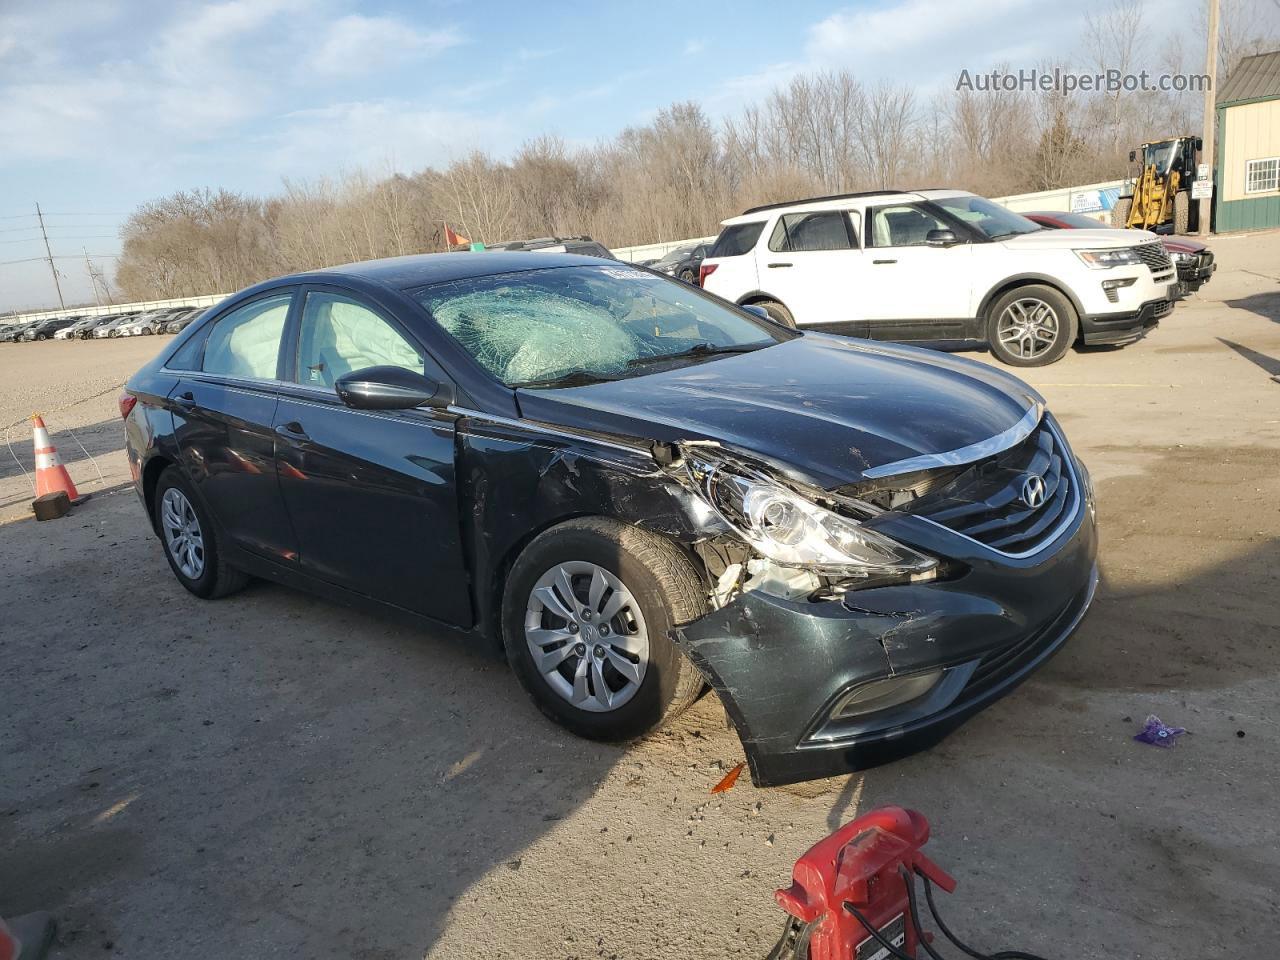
[(246, 342), (816, 230), (737, 240)]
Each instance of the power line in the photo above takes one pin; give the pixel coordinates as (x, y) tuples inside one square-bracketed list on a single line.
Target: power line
[(57, 285), (96, 256), (98, 236)]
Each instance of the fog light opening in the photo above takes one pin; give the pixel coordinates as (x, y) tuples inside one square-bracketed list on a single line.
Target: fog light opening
[(884, 694)]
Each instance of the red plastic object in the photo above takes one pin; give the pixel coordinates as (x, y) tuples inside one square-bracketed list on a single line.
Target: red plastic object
[(859, 864), (705, 270)]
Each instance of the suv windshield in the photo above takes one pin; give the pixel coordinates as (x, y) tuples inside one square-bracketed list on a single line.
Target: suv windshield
[(678, 254), (988, 218), (573, 325)]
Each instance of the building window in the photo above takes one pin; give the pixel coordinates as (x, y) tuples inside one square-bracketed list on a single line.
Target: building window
[(1262, 176)]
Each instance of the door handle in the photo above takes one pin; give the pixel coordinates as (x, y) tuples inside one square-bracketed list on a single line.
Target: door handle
[(293, 430), (883, 261), (772, 265), (185, 400)]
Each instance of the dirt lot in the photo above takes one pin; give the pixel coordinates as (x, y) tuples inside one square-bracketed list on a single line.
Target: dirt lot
[(270, 776)]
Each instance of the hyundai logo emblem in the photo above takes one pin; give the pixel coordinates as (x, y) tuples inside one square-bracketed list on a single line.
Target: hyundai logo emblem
[(1033, 490)]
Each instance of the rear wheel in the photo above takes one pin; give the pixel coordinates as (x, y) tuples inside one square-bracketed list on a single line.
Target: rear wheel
[(1120, 212), (777, 312), (190, 542), (1181, 212), (688, 276), (587, 612), (1031, 326)]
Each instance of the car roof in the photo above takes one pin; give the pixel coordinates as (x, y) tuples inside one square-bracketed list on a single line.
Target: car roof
[(844, 201), (420, 270)]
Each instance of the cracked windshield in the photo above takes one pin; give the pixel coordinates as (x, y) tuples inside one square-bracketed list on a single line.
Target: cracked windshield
[(570, 326)]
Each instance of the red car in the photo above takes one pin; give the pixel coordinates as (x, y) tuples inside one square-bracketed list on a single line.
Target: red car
[(1192, 258)]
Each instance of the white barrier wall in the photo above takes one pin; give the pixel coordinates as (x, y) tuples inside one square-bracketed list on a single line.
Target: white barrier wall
[(655, 251), (205, 301)]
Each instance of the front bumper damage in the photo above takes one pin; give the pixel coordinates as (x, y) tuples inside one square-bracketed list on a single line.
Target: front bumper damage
[(780, 666)]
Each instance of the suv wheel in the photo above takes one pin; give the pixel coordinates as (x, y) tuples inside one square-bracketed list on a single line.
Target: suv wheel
[(1031, 326), (190, 544), (587, 614), (777, 312), (688, 276)]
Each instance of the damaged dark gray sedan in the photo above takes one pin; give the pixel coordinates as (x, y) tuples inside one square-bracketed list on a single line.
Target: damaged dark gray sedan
[(633, 488)]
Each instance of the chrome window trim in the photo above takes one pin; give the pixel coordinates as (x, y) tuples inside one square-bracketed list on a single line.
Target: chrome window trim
[(1069, 513), (545, 430), (962, 455)]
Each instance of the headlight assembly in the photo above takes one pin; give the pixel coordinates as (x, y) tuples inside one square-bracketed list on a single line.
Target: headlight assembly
[(795, 532), (1105, 259)]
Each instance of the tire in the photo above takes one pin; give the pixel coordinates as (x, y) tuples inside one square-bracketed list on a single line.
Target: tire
[(660, 590), (1120, 212), (778, 313), (213, 578), (1181, 212), (688, 276), (41, 336), (1035, 310)]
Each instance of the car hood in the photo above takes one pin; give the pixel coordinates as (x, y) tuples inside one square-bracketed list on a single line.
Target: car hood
[(1102, 238), (823, 408), (1184, 245)]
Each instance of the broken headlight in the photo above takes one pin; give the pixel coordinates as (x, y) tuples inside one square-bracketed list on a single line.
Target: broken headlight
[(793, 531)]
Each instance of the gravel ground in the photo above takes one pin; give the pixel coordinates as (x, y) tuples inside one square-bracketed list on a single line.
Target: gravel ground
[(268, 775)]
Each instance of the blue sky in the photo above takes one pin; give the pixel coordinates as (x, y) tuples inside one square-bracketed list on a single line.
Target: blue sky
[(105, 104)]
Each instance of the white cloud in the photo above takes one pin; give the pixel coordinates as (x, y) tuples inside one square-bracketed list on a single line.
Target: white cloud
[(898, 28), (371, 133), (693, 47), (359, 44)]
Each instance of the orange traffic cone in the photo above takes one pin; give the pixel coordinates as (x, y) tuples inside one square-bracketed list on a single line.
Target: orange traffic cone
[(51, 475)]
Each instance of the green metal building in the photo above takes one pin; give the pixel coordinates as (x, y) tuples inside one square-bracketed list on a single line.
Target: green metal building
[(1247, 166)]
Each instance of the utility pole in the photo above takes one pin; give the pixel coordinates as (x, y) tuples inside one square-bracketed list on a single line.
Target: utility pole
[(1210, 114), (49, 256), (93, 281)]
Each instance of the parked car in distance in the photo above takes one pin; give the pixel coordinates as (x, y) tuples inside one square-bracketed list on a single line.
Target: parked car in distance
[(583, 245), (683, 262), (137, 326), (13, 333), (942, 267), (1193, 259), (69, 331), (633, 488), (44, 329), (111, 327), (180, 322)]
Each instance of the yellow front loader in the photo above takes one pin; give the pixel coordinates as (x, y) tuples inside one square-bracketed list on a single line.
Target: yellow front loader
[(1161, 195)]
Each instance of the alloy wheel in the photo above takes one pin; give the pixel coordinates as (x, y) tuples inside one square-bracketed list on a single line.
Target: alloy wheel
[(587, 636), (182, 534), (1028, 328)]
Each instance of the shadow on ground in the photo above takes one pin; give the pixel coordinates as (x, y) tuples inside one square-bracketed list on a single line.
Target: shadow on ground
[(1266, 305)]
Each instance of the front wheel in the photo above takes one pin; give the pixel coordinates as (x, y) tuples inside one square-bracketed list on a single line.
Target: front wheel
[(1031, 326), (688, 276), (587, 614)]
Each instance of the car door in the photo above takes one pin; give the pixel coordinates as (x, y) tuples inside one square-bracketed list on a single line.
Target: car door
[(223, 415), (914, 291), (372, 493), (812, 264)]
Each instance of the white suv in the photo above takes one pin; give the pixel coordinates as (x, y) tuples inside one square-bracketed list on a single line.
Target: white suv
[(944, 267)]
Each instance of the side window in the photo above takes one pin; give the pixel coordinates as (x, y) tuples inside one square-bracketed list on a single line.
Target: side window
[(737, 240), (901, 225), (339, 335), (246, 342), (820, 230)]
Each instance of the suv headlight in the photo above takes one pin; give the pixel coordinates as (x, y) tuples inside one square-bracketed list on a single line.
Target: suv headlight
[(795, 532), (1104, 259)]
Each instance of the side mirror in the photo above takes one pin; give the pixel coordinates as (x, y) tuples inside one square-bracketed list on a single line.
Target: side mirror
[(1133, 155), (1199, 144), (391, 388), (941, 238), (758, 310)]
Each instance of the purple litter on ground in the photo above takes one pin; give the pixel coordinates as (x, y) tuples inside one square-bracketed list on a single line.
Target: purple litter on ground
[(1158, 734)]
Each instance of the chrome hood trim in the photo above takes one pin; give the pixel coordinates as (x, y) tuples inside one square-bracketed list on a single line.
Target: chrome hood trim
[(974, 451)]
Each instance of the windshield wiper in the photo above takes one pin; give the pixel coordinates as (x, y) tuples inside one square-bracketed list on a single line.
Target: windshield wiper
[(697, 350), (572, 378)]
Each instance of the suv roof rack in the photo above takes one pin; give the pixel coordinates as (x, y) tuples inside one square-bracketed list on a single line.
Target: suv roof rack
[(834, 196)]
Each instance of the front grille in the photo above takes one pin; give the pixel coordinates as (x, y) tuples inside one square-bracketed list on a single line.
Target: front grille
[(986, 503), (1156, 257)]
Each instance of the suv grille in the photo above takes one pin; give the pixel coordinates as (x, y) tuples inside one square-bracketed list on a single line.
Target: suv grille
[(986, 503), (1156, 257)]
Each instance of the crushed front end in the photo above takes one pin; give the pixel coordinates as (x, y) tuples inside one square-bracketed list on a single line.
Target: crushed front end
[(977, 566)]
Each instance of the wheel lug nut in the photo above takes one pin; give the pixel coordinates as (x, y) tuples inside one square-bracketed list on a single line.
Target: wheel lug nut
[(598, 652), (586, 615), (580, 649), (573, 627), (604, 629)]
